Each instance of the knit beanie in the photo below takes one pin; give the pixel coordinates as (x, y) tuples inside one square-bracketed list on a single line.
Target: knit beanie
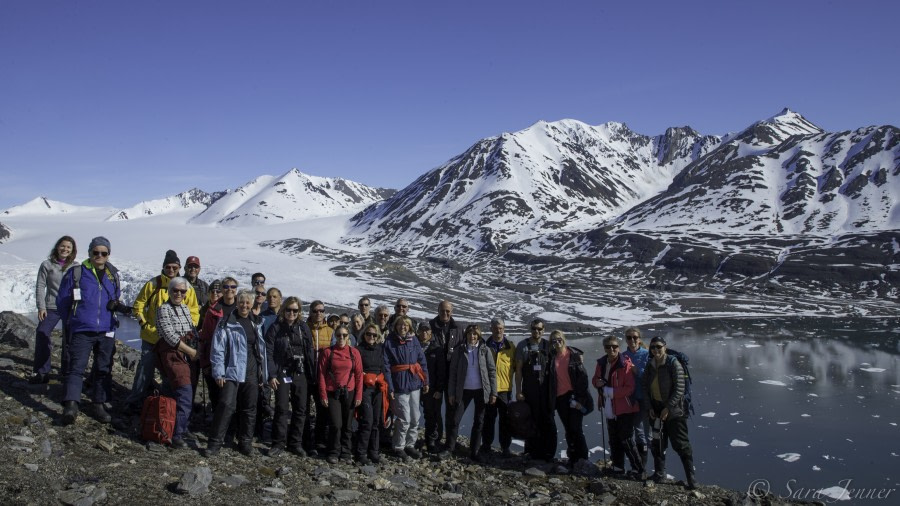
[(99, 241), (171, 258)]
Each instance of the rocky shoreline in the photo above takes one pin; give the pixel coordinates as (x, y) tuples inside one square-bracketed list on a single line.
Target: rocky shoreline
[(91, 463)]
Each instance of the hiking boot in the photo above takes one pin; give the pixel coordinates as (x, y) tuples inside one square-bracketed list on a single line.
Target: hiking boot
[(38, 379), (296, 450), (331, 459), (276, 451), (659, 470), (412, 452), (212, 450), (245, 449), (312, 453), (375, 458), (179, 443), (476, 457), (362, 460), (507, 452), (97, 411), (401, 454), (70, 412), (444, 455)]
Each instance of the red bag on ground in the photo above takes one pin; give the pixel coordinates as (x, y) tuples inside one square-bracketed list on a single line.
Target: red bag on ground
[(158, 419)]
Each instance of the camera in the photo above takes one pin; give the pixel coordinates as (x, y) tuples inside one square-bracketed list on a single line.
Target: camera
[(297, 364), (343, 393), (117, 307), (656, 429)]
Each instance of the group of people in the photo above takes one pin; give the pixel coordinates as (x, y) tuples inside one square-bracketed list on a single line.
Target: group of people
[(371, 369)]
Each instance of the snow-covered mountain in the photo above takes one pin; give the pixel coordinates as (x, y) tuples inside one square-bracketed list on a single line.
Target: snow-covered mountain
[(294, 196), (784, 175), (42, 206), (192, 200), (550, 177)]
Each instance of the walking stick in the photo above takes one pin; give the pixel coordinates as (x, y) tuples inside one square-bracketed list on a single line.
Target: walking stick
[(603, 432)]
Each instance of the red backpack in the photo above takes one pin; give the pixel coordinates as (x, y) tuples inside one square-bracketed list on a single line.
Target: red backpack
[(158, 419)]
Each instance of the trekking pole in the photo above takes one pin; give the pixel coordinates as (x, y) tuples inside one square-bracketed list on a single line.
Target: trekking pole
[(603, 432)]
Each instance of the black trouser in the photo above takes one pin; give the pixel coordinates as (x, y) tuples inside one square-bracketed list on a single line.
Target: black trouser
[(340, 415), (264, 409), (371, 418), (322, 423), (290, 404), (572, 420), (477, 420), (675, 430), (214, 391), (491, 413), (543, 445), (434, 425), (234, 398), (448, 415), (621, 441)]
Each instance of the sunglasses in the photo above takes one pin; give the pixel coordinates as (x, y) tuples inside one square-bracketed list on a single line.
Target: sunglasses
[(171, 267), (370, 334), (260, 294), (610, 346), (317, 311), (292, 310), (100, 253), (657, 347), (229, 287), (343, 336), (384, 315), (364, 304), (537, 329), (258, 282), (557, 340), (192, 266), (179, 291), (215, 290), (403, 307)]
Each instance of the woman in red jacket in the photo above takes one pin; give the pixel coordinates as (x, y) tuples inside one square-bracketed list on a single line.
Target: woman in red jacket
[(614, 379), (340, 390)]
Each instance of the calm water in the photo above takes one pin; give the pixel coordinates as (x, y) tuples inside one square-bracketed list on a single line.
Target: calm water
[(802, 403)]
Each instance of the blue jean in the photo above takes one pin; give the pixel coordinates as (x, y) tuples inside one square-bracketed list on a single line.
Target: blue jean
[(81, 344), (43, 346), (143, 375)]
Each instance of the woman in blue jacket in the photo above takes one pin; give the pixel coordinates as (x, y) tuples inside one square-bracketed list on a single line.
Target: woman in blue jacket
[(87, 296), (239, 367)]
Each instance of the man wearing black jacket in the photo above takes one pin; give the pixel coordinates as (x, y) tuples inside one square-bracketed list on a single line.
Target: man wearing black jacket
[(445, 330)]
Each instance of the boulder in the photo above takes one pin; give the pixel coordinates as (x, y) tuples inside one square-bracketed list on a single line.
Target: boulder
[(195, 482), (16, 330)]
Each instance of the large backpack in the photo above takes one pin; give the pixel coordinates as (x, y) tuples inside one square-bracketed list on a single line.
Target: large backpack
[(158, 419), (521, 423), (683, 360)]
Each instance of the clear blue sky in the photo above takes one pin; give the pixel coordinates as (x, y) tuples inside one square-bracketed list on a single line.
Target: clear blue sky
[(112, 102)]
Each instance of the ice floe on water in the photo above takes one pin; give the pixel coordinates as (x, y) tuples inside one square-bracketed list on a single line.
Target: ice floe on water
[(752, 345), (518, 442), (806, 415), (872, 369), (836, 492), (734, 414), (739, 443), (802, 378), (812, 395), (709, 415), (782, 423), (773, 382), (816, 468), (596, 449), (789, 457)]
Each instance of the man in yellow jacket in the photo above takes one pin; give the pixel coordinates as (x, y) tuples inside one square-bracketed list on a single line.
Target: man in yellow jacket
[(154, 294)]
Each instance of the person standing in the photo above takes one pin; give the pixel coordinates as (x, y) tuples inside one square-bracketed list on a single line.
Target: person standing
[(340, 390), (639, 356), (446, 331), (365, 309), (472, 377), (220, 311), (569, 386), (321, 339), (153, 295), (289, 352), (84, 302), (663, 385), (192, 274), (533, 387), (176, 352), (50, 274), (407, 376), (437, 384), (238, 368), (504, 353), (614, 379), (373, 410)]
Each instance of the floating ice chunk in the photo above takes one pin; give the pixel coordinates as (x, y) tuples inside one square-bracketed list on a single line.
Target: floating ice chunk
[(838, 493), (752, 346), (734, 414), (871, 369), (709, 415), (596, 449), (773, 382), (802, 378), (738, 379), (812, 395), (816, 468), (782, 423), (738, 442), (789, 457), (804, 415), (894, 424)]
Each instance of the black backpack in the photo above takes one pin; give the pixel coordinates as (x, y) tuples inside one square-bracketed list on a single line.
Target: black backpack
[(683, 360)]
